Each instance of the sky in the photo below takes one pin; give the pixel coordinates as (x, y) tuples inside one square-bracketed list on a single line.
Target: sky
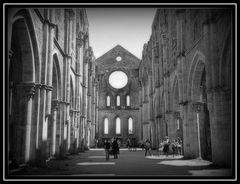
[(128, 27)]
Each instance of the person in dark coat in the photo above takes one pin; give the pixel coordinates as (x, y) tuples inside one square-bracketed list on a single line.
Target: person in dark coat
[(148, 147), (115, 148), (107, 147)]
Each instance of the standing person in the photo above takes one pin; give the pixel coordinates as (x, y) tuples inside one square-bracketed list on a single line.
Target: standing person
[(179, 146), (160, 148), (166, 146), (96, 143), (128, 144), (148, 147), (174, 148), (115, 148), (119, 143), (107, 148)]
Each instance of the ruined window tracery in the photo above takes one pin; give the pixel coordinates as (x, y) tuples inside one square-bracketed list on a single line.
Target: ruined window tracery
[(118, 125), (118, 100), (108, 101), (130, 125), (128, 100), (105, 126)]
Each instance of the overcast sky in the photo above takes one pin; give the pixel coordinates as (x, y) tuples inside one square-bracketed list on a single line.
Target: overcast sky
[(128, 27)]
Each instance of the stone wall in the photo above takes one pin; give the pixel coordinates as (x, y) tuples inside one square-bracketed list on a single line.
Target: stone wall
[(107, 64), (185, 76), (51, 48)]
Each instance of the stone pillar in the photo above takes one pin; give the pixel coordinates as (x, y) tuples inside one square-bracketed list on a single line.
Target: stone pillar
[(197, 110), (29, 91), (220, 124), (189, 131), (54, 123)]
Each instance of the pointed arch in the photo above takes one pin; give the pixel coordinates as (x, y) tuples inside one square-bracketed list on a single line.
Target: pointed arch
[(105, 125), (118, 125), (130, 125), (28, 34), (57, 77), (194, 77), (128, 100)]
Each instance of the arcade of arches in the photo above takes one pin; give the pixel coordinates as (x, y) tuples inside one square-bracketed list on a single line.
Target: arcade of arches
[(61, 100)]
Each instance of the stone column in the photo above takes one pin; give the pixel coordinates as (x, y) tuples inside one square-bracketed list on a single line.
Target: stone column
[(49, 67), (54, 123), (220, 112), (197, 110), (29, 91), (190, 140)]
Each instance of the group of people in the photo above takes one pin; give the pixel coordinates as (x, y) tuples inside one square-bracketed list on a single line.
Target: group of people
[(112, 147), (164, 147), (132, 144), (175, 145)]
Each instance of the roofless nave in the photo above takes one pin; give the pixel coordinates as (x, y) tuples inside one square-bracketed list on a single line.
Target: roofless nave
[(61, 98)]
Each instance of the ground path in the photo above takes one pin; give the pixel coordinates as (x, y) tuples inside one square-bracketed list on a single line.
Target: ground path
[(130, 164)]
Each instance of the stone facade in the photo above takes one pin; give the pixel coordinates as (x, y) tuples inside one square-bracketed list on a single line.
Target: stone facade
[(51, 96), (60, 97), (106, 65), (185, 76)]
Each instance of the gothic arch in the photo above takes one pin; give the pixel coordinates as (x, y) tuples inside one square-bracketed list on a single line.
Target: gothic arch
[(116, 120), (24, 72), (26, 33), (194, 78), (57, 77), (103, 123)]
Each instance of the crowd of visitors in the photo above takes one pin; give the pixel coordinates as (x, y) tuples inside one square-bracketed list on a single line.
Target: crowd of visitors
[(166, 147), (112, 147)]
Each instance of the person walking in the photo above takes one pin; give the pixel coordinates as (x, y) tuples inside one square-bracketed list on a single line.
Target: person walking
[(148, 147)]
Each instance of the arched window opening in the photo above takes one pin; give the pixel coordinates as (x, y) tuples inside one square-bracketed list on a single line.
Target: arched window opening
[(130, 126), (128, 100), (118, 100), (105, 126), (178, 125), (108, 101), (118, 126)]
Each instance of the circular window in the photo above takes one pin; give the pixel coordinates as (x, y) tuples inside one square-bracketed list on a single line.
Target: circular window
[(119, 58), (118, 79)]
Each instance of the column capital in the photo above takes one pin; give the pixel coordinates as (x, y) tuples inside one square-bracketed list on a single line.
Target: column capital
[(55, 104), (28, 88), (10, 53), (183, 103), (177, 115), (46, 87), (197, 106)]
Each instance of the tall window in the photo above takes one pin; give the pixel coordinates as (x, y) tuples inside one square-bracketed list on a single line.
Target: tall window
[(118, 100), (118, 126), (105, 126), (130, 126), (108, 101), (178, 127), (128, 100)]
